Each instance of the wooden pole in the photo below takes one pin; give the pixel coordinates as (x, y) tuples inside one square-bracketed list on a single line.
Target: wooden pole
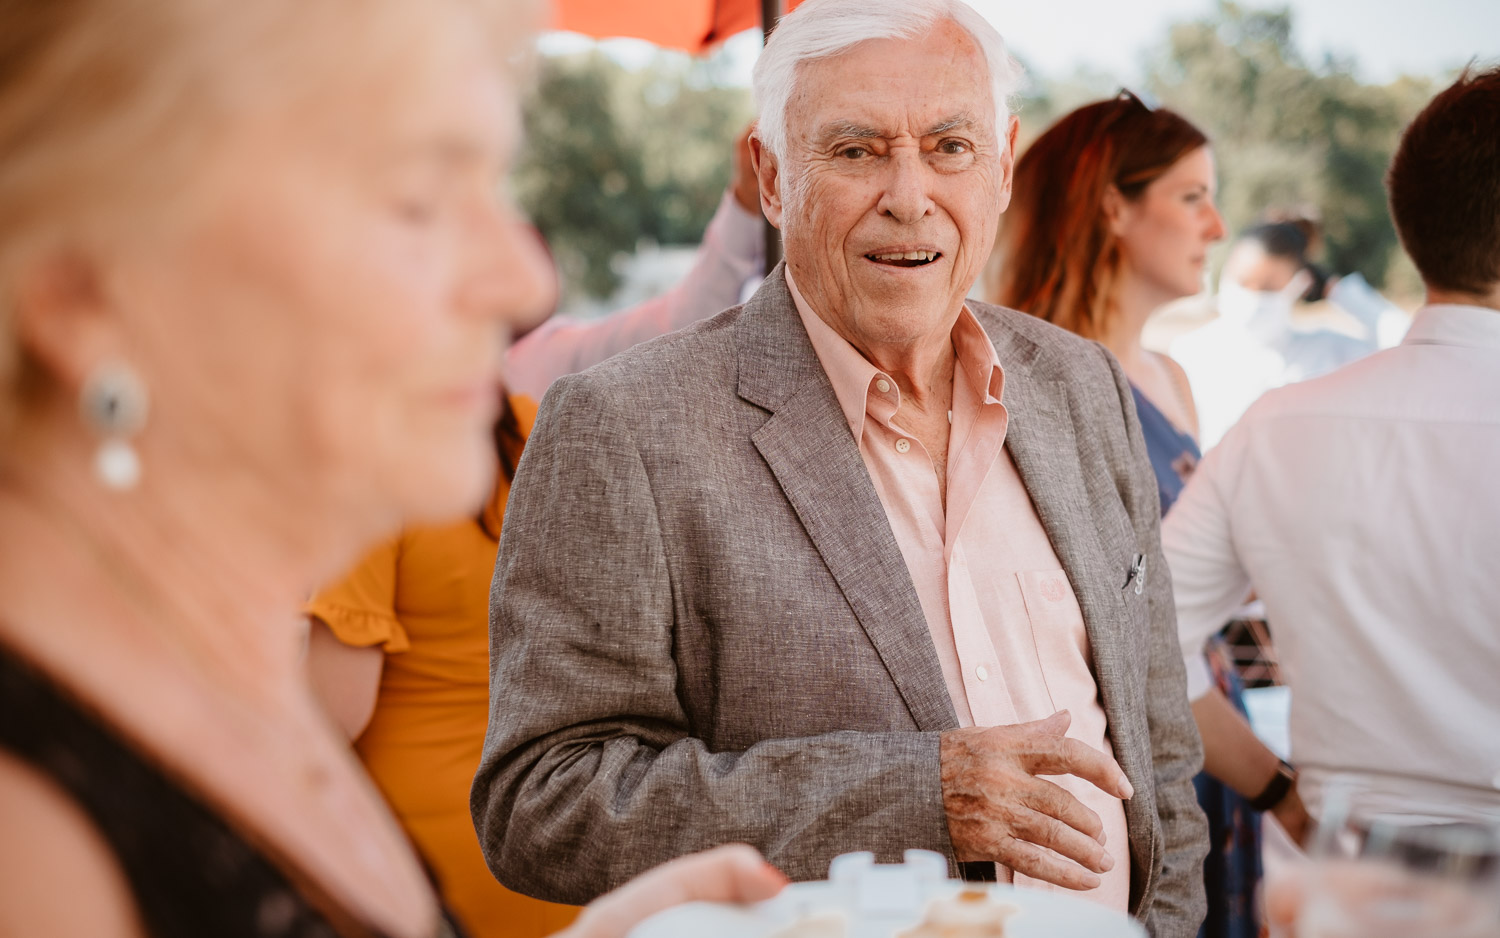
[(770, 12)]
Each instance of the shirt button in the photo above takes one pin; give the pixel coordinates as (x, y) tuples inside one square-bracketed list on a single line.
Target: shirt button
[(982, 673), (883, 386), (903, 445)]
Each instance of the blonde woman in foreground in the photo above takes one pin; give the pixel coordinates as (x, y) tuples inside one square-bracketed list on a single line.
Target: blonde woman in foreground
[(254, 283)]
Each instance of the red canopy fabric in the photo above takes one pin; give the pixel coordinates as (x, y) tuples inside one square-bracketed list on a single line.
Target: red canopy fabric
[(690, 25)]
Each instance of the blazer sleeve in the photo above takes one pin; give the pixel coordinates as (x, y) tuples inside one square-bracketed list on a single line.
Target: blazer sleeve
[(1178, 904), (591, 773)]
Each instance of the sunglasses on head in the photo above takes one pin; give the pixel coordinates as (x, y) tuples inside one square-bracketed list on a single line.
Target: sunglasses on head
[(1143, 98)]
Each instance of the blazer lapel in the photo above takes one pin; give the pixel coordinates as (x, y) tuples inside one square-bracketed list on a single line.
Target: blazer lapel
[(808, 447), (1043, 444)]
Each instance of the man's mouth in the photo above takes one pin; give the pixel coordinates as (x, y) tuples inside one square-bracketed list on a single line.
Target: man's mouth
[(905, 258)]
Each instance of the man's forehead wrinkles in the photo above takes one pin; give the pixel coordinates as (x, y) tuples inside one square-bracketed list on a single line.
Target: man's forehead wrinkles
[(961, 119), (859, 130), (847, 128)]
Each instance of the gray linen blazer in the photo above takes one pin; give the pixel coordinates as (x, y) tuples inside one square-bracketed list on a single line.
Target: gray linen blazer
[(702, 629)]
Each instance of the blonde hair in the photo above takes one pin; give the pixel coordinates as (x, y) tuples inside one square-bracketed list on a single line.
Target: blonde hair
[(106, 106)]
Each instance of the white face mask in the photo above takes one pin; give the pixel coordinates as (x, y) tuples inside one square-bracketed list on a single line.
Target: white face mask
[(1266, 313)]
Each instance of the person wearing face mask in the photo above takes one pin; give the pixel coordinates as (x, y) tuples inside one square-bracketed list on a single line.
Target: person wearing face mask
[(1253, 346)]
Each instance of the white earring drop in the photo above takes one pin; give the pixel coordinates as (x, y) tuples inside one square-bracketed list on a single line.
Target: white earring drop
[(114, 404)]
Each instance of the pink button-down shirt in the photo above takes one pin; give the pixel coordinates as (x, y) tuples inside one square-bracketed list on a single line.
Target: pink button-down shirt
[(1007, 627)]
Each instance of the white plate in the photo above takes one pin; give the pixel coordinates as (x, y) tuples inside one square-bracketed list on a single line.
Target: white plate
[(879, 901)]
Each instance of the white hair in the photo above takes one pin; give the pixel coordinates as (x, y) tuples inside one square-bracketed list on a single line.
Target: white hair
[(821, 28)]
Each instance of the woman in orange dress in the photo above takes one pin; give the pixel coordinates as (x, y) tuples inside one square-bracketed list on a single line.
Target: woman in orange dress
[(418, 607), (399, 649)]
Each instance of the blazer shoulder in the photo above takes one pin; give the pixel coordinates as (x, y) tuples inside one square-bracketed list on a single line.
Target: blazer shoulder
[(667, 365), (1011, 328)]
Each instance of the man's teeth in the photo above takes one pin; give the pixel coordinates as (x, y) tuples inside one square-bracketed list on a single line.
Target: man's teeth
[(907, 256)]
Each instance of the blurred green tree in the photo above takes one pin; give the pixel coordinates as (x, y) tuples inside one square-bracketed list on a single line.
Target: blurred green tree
[(1288, 136), (614, 156)]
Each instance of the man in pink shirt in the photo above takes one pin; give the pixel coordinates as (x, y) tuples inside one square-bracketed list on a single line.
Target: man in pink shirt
[(859, 565)]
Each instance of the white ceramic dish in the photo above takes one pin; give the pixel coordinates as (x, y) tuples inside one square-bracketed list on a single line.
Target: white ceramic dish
[(880, 901)]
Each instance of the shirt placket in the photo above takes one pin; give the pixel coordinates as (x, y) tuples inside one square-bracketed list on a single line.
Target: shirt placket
[(989, 696)]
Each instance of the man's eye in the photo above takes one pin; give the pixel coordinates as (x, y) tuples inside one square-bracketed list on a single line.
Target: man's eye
[(854, 153), (953, 147)]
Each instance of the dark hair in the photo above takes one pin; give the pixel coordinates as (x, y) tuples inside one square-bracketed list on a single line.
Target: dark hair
[(1278, 239), (1444, 184), (1289, 240), (1054, 256)]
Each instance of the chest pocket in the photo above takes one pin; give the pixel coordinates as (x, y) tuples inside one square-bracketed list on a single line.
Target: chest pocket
[(1062, 644)]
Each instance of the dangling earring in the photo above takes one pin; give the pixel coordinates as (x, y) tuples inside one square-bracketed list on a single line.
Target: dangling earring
[(114, 404)]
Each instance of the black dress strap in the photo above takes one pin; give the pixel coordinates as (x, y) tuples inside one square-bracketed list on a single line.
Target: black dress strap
[(191, 874)]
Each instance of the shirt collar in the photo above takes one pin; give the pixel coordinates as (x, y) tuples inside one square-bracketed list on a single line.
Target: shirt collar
[(855, 379), (1451, 324)]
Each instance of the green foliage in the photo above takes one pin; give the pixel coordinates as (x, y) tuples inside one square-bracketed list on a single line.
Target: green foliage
[(613, 156), (1288, 136)]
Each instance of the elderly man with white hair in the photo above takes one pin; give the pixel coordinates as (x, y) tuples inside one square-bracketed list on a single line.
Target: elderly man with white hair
[(857, 565)]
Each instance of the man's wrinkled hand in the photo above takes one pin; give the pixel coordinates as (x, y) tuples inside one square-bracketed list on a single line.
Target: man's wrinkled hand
[(998, 809)]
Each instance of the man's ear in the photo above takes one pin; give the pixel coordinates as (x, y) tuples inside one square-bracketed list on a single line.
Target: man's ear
[(1008, 161), (62, 315), (767, 174)]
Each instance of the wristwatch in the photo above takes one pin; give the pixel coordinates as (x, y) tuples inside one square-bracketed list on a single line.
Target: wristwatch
[(1277, 788)]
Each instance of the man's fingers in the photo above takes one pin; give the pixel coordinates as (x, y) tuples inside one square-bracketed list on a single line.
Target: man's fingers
[(1055, 801), (1031, 860), (1055, 725), (1065, 756), (1046, 831)]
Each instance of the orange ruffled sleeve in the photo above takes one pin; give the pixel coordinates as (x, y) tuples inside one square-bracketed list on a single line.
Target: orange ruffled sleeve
[(360, 609)]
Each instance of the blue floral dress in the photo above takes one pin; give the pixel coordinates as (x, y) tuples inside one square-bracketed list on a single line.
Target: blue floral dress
[(1231, 871)]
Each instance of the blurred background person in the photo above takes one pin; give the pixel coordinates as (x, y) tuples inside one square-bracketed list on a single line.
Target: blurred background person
[(1112, 216), (1361, 506), (732, 254), (250, 318), (1255, 344), (399, 648)]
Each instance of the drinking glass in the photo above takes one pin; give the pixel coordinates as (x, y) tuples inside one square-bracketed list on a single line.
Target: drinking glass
[(1394, 857)]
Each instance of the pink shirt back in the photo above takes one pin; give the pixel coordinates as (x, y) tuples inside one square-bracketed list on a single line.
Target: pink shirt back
[(1007, 627)]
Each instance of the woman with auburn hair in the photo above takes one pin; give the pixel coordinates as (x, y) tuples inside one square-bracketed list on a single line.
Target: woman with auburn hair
[(254, 288), (1112, 216)]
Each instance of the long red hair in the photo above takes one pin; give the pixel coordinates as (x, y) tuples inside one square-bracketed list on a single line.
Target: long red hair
[(1055, 256)]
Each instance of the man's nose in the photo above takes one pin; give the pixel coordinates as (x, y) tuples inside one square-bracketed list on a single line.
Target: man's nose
[(906, 198)]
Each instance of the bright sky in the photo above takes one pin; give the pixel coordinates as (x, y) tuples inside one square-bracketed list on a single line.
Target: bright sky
[(1386, 37)]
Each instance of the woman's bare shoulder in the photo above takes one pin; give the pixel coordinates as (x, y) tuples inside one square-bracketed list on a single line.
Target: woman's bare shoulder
[(57, 873)]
